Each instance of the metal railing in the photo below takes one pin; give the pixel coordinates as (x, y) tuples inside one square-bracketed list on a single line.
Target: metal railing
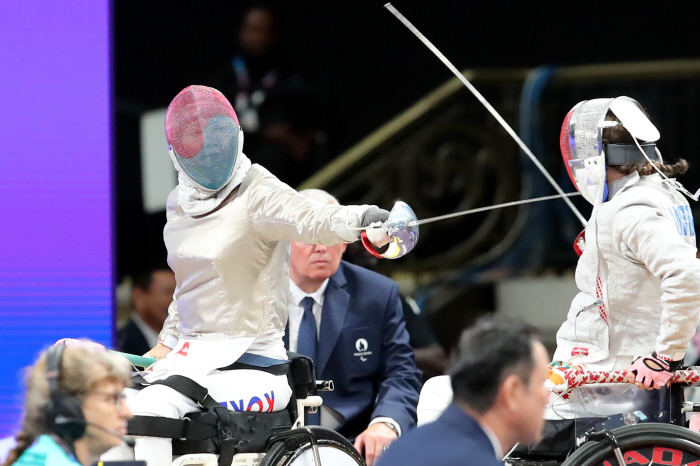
[(445, 153)]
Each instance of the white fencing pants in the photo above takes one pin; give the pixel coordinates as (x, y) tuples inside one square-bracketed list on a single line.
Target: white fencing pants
[(238, 390)]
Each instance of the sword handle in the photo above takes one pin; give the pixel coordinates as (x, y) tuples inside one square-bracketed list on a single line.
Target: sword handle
[(368, 245), (140, 361)]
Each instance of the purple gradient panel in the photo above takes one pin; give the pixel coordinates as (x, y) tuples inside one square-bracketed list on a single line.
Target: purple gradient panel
[(55, 187)]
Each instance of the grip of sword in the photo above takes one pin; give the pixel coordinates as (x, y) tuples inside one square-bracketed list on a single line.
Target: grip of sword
[(140, 361), (368, 245)]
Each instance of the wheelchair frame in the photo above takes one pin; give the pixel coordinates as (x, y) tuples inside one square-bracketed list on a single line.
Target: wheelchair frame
[(304, 386)]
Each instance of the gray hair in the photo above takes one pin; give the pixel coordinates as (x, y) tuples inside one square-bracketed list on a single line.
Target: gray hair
[(320, 195)]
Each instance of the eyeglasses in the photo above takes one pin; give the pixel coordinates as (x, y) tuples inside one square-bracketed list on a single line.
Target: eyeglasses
[(116, 398)]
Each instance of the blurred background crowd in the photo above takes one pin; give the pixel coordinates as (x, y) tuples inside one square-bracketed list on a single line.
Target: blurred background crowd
[(331, 95), (342, 97)]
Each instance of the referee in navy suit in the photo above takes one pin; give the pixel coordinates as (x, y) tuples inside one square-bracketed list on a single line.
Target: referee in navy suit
[(349, 320)]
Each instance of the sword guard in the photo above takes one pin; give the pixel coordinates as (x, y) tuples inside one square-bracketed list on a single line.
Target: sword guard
[(579, 243), (368, 245), (402, 236)]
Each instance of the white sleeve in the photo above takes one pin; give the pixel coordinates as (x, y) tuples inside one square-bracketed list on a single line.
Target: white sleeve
[(435, 397), (653, 238), (171, 327), (379, 419), (278, 213)]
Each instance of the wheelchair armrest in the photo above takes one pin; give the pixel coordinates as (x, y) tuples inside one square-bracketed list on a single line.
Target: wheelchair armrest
[(324, 386), (303, 375)]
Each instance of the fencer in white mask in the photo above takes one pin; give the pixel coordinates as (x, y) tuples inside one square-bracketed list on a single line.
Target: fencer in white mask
[(638, 275), (228, 228)]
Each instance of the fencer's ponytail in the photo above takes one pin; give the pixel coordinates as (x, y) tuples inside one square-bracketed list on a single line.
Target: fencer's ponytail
[(671, 170), (619, 135)]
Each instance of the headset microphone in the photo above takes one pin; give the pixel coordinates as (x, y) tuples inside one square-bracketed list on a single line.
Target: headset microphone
[(62, 420), (64, 413), (125, 438)]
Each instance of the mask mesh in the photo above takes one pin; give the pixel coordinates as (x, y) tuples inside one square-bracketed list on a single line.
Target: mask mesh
[(202, 129)]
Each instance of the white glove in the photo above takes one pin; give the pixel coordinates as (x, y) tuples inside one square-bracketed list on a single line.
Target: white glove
[(377, 236)]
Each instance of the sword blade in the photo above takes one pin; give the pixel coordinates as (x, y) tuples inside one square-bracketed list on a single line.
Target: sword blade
[(491, 207), (488, 106)]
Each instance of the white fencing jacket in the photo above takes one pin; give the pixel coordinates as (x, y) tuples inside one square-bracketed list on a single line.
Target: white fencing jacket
[(639, 279), (231, 264)]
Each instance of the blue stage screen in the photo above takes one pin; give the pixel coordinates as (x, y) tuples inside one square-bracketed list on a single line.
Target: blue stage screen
[(55, 183)]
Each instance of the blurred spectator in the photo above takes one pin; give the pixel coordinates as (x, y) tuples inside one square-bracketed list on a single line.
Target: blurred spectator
[(430, 357), (257, 68), (279, 113), (151, 294), (498, 379), (290, 130)]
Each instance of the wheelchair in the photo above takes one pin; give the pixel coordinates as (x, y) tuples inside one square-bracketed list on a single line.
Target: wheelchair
[(659, 437), (217, 436)]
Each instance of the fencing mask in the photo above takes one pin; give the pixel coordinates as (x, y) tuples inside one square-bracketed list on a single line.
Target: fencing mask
[(204, 137), (587, 155)]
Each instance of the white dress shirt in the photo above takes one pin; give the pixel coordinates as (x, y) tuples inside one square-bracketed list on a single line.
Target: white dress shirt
[(296, 311), (497, 448)]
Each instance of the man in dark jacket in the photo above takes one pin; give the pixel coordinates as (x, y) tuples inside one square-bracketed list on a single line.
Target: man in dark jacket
[(152, 293), (499, 400)]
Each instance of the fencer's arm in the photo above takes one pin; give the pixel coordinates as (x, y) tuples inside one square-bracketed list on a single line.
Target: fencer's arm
[(170, 333), (158, 351), (278, 212), (653, 238)]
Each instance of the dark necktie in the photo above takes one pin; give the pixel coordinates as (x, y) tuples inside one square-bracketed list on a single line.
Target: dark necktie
[(307, 344), (308, 341)]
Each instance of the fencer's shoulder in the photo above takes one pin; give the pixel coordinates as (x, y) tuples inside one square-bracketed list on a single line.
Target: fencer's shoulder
[(171, 203), (435, 397), (648, 191), (361, 277), (437, 389), (261, 176), (255, 173), (257, 170)]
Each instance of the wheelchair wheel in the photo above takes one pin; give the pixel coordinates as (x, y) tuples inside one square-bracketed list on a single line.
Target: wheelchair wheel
[(295, 450), (646, 444)]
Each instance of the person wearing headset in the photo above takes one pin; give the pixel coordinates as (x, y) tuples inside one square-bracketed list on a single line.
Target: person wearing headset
[(74, 406)]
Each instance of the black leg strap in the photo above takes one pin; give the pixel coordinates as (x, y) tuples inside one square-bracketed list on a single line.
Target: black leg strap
[(190, 389), (163, 427), (204, 428)]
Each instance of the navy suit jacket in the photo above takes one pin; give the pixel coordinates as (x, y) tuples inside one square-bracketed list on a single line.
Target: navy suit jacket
[(363, 348), (454, 439)]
